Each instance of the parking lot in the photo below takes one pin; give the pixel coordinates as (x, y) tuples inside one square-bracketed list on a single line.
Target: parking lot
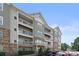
[(67, 53)]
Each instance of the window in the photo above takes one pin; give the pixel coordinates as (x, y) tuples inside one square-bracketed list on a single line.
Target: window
[(15, 17), (1, 20), (1, 6), (38, 41), (39, 33), (1, 35), (15, 29), (15, 41), (49, 43), (39, 24)]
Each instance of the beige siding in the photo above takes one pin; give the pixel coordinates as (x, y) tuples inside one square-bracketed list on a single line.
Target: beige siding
[(13, 25)]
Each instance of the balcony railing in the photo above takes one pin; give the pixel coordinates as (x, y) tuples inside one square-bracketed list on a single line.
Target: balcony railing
[(43, 44), (47, 32), (25, 43), (25, 32), (25, 22)]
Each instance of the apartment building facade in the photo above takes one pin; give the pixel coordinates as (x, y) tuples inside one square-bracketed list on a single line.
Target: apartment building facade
[(57, 39), (42, 33), (22, 31)]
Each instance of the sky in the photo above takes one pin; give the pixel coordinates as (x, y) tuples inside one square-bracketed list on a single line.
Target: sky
[(66, 16)]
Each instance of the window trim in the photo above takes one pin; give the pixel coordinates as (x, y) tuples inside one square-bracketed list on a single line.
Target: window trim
[(15, 17), (2, 7), (1, 19)]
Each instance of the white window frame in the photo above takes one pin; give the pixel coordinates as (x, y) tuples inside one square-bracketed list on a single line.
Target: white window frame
[(2, 7), (1, 18)]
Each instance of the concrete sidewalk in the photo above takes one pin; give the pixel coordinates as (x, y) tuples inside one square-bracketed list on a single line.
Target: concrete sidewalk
[(30, 55)]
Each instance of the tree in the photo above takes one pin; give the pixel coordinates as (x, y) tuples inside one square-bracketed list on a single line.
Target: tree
[(72, 46), (47, 51), (75, 45), (44, 52), (64, 46), (40, 52)]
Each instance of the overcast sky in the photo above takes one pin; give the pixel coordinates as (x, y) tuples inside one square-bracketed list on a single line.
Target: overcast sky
[(66, 16)]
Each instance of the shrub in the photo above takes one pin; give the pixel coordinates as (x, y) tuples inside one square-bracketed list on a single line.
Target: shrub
[(40, 52), (25, 52), (2, 53), (46, 52)]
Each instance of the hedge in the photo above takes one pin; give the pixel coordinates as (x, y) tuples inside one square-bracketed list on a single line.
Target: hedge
[(2, 53), (25, 52)]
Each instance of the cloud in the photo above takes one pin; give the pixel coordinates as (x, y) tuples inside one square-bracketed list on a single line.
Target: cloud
[(73, 27), (69, 31), (54, 25)]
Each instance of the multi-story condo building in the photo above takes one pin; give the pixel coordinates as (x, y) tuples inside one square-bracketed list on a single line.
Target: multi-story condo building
[(16, 29), (56, 39), (42, 33), (22, 31)]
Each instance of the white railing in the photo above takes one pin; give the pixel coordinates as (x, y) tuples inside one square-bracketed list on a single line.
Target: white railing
[(25, 44), (47, 32), (25, 32), (43, 44), (23, 41), (25, 22)]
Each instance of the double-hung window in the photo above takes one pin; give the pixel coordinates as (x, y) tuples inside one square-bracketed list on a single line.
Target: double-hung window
[(1, 35), (1, 20), (1, 7)]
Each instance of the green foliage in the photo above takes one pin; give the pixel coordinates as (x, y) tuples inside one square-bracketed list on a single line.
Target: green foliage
[(43, 53), (2, 53), (40, 52), (75, 45), (25, 52), (46, 52), (64, 46)]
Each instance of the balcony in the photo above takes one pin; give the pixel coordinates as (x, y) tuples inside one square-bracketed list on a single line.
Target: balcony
[(48, 40), (41, 44), (25, 33), (47, 37), (26, 23), (47, 33), (23, 42)]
